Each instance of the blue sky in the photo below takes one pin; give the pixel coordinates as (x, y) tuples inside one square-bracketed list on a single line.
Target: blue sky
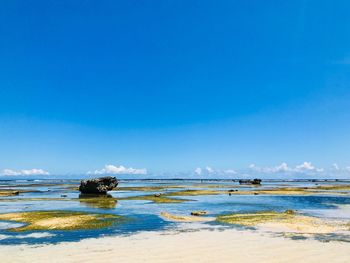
[(171, 86)]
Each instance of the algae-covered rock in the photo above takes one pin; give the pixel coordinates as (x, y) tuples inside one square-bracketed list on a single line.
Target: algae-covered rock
[(6, 192), (98, 185)]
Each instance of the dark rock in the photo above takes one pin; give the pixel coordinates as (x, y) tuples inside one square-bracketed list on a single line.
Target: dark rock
[(198, 213), (98, 185), (156, 195), (63, 195), (254, 181)]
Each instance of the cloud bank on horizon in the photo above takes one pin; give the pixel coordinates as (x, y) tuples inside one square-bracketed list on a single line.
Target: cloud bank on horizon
[(112, 169), (34, 171), (283, 169), (305, 168)]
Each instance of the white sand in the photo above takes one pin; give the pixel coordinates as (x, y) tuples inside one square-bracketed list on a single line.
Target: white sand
[(202, 246)]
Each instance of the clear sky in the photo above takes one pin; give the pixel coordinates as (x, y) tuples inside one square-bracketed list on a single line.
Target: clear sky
[(171, 86)]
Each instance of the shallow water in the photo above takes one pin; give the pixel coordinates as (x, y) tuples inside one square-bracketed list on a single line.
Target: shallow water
[(144, 215)]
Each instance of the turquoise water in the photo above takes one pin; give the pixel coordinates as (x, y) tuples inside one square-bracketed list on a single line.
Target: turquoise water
[(144, 215)]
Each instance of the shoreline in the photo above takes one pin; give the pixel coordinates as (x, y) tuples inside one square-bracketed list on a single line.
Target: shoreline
[(229, 245)]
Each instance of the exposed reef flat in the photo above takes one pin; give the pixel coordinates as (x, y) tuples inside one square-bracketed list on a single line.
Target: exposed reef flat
[(148, 188), (332, 187), (59, 185), (287, 221), (195, 192), (38, 199), (326, 189), (156, 199), (60, 220), (168, 197), (12, 192)]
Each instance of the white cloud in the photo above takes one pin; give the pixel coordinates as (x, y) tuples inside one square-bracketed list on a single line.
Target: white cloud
[(336, 167), (198, 171), (211, 171), (112, 169), (283, 167), (340, 170), (10, 172), (305, 167), (230, 171)]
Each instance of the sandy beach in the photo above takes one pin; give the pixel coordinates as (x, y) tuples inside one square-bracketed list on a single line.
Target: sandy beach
[(201, 246)]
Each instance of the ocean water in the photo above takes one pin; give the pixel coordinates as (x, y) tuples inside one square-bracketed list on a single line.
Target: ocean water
[(145, 215)]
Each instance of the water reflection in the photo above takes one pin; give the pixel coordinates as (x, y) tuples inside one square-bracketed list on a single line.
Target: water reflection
[(98, 201)]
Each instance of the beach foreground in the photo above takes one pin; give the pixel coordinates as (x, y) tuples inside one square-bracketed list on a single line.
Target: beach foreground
[(168, 246)]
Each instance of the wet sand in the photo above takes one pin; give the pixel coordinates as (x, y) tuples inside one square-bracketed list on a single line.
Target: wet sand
[(201, 246)]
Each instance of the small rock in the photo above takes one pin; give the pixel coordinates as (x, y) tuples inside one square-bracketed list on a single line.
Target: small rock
[(290, 212), (198, 213)]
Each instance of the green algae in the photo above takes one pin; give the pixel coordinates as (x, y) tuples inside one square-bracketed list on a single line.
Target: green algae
[(288, 221), (60, 220), (95, 202)]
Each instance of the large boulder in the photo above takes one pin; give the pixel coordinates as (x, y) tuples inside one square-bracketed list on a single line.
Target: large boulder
[(98, 185)]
